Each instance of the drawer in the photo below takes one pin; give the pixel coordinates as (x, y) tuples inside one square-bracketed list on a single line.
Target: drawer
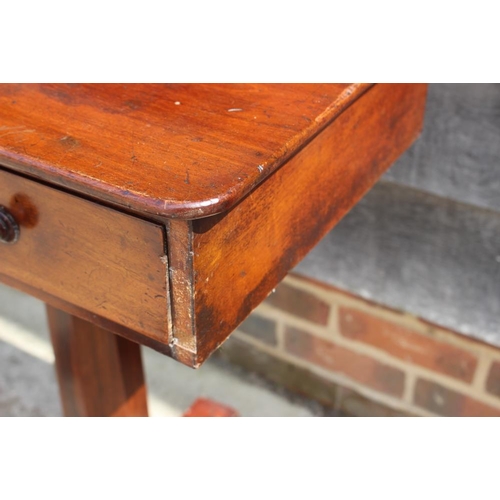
[(85, 257)]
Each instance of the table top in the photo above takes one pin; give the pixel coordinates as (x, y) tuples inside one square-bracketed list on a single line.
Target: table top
[(179, 151)]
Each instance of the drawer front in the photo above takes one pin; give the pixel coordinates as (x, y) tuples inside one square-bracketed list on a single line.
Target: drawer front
[(90, 256)]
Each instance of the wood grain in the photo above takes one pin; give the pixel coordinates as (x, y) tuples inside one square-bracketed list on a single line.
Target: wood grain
[(99, 374), (98, 259), (239, 257), (281, 180), (134, 146), (180, 255)]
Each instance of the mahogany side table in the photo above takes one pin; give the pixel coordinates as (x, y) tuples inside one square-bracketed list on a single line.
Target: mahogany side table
[(163, 214)]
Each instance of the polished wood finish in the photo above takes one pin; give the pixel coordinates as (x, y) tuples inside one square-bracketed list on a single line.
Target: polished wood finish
[(237, 258), (103, 261), (223, 194), (99, 374), (177, 150)]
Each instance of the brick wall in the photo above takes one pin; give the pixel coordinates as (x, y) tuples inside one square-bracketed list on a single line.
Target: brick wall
[(358, 358)]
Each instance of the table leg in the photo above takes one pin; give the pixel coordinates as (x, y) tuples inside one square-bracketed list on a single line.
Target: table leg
[(99, 373)]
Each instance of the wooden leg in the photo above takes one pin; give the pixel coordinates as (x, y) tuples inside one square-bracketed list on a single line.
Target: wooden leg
[(100, 374)]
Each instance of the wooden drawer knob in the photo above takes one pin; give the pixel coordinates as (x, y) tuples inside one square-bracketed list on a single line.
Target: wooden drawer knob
[(9, 228)]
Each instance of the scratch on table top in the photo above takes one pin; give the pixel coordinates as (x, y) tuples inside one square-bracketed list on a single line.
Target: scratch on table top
[(15, 130)]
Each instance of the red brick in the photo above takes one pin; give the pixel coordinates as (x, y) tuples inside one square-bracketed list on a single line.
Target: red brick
[(207, 408), (294, 378), (299, 303), (359, 367), (493, 381), (406, 344), (446, 402)]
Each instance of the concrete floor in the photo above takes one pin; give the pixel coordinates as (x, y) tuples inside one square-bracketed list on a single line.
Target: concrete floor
[(28, 384)]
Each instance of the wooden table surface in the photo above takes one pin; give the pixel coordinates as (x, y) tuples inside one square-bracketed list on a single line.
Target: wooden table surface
[(185, 151), (166, 213)]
